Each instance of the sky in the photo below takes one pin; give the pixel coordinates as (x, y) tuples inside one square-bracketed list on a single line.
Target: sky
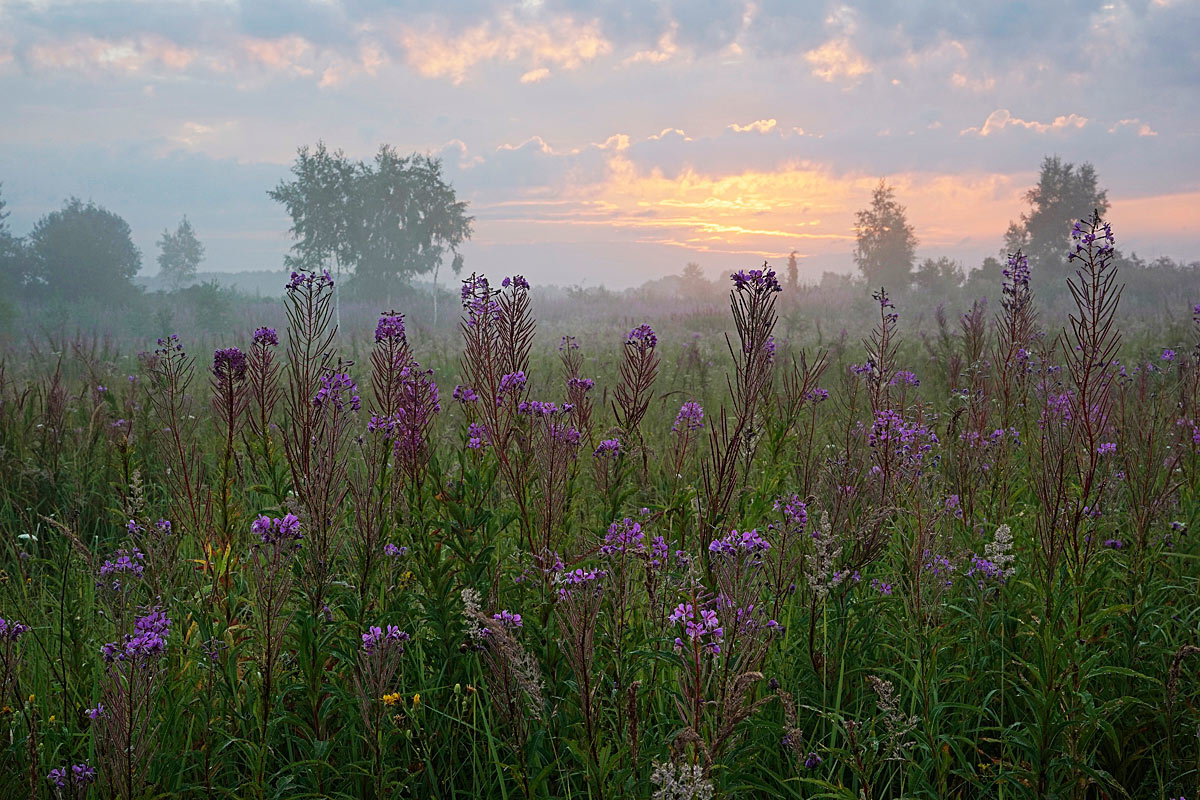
[(610, 142)]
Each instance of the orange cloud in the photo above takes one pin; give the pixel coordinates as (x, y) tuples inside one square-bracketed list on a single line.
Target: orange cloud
[(837, 59), (758, 126), (1002, 118), (562, 43)]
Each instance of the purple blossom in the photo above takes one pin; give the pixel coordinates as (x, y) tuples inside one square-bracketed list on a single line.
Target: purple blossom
[(477, 437), (609, 448), (882, 587), (95, 713), (763, 280), (147, 641), (508, 619), (690, 417), (11, 630), (464, 394), (377, 637), (643, 337), (389, 328), (318, 281), (78, 777), (1106, 448), (512, 382), (515, 281), (395, 551), (581, 384), (738, 544), (229, 364), (622, 537), (337, 391), (279, 531), (701, 627), (1168, 355), (265, 336)]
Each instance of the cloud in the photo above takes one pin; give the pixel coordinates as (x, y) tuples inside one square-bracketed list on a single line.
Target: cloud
[(1001, 118), (561, 42), (1142, 128), (132, 54), (758, 126), (535, 75), (837, 59), (665, 49)]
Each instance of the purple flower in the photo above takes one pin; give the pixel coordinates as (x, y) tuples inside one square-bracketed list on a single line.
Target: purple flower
[(265, 336), (882, 587), (11, 630), (1106, 448), (581, 384), (464, 394), (337, 391), (763, 280), (1168, 355), (905, 378), (310, 280), (622, 537), (516, 281), (377, 637), (146, 643), (78, 777), (512, 381), (477, 437), (508, 619), (813, 760), (737, 544), (701, 627), (280, 531), (95, 713), (395, 551), (123, 562), (1114, 544), (609, 448), (229, 364), (690, 417), (642, 336), (390, 327)]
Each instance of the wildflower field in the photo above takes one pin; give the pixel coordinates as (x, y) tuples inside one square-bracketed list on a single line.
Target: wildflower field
[(307, 565)]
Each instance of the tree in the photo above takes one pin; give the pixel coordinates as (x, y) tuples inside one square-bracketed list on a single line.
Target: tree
[(387, 221), (82, 250), (938, 275), (1063, 194), (179, 254), (793, 271), (887, 245)]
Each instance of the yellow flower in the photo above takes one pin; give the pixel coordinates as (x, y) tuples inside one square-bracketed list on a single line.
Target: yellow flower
[(417, 699), (52, 718), (391, 699)]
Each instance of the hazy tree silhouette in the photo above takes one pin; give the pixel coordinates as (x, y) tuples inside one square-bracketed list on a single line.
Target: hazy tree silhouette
[(939, 274), (387, 221), (793, 271), (82, 250), (1063, 194), (180, 253), (887, 244)]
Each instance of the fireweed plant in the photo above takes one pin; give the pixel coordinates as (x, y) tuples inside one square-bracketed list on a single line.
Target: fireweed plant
[(943, 562)]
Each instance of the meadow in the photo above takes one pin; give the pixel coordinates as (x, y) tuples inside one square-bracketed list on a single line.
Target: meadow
[(646, 563)]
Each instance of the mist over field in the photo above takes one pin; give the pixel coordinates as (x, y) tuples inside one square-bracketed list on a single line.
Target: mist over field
[(563, 399)]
